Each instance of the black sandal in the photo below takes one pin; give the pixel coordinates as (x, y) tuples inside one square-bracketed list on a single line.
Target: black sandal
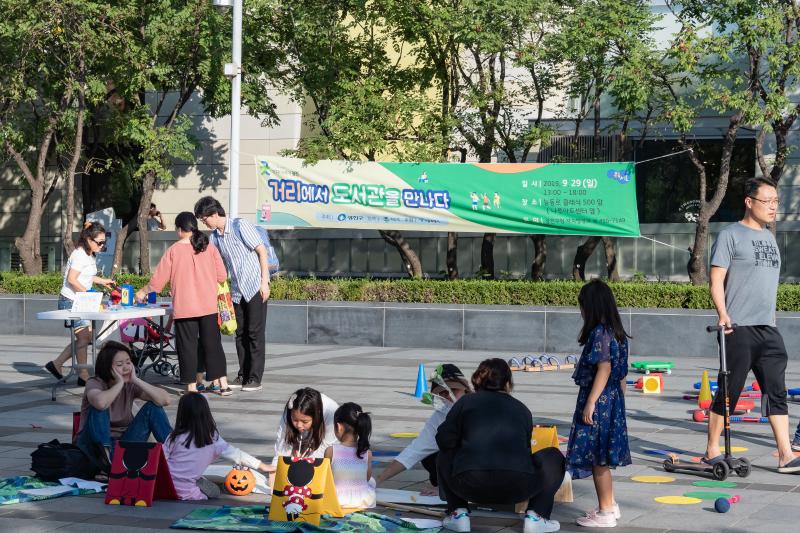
[(50, 367)]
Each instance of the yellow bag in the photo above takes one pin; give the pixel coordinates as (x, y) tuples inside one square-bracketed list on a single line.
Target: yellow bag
[(303, 491), (543, 437), (226, 316)]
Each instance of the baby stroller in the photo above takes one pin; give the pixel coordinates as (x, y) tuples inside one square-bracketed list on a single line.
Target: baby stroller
[(145, 338)]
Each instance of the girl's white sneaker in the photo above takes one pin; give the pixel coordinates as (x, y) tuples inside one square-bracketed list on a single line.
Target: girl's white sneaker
[(615, 509), (597, 519), (458, 520)]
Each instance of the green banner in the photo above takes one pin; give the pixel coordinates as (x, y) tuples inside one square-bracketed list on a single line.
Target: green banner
[(556, 199)]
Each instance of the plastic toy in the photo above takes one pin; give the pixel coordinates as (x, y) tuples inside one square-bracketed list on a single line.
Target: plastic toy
[(422, 384), (240, 481), (701, 416), (652, 384), (653, 366), (723, 505)]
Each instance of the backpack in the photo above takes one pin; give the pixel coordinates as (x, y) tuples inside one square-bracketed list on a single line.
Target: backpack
[(273, 264), (53, 460)]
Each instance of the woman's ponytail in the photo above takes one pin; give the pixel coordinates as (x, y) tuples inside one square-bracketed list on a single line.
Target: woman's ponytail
[(199, 241), (186, 221)]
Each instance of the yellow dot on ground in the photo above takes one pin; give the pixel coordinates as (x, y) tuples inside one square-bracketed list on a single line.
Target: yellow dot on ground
[(677, 500), (653, 479), (404, 435), (738, 449)]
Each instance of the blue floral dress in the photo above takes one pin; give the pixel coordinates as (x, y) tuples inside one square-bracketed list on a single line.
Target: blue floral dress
[(604, 443)]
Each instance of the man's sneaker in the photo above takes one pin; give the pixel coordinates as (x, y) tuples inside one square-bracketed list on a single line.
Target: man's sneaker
[(251, 386), (225, 392), (796, 445), (458, 520), (617, 513), (539, 524), (236, 383), (597, 519)]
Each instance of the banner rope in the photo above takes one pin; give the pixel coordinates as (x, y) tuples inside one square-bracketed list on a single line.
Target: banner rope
[(664, 243)]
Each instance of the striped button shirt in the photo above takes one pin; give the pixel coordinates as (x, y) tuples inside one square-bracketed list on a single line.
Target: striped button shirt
[(238, 252)]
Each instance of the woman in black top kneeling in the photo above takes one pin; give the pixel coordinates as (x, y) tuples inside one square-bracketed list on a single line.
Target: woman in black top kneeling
[(485, 454)]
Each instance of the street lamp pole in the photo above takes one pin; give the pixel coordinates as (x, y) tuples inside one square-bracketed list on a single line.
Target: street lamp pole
[(233, 71), (236, 104)]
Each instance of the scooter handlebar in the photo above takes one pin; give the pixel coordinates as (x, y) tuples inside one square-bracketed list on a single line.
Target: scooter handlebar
[(717, 327)]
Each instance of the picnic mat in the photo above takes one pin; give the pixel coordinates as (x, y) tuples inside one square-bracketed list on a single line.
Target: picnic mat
[(254, 518), (28, 489)]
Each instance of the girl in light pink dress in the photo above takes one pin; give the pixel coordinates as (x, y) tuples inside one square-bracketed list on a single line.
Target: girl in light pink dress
[(351, 458)]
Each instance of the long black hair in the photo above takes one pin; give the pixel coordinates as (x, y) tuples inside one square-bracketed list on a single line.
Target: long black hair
[(353, 417), (599, 307), (90, 232), (309, 402), (195, 421), (185, 221), (105, 360)]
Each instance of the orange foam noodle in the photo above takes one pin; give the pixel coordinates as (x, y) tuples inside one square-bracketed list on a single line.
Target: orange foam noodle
[(509, 168)]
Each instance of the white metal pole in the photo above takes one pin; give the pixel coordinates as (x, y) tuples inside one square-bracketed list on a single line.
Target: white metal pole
[(236, 97)]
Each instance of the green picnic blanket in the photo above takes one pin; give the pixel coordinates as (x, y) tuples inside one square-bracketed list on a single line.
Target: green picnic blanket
[(11, 487), (254, 518)]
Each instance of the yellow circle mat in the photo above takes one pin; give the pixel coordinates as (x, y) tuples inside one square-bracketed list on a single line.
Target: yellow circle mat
[(404, 435), (653, 479), (677, 500), (737, 449)]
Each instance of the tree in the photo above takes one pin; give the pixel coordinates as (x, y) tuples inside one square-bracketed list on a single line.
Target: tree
[(606, 44), (51, 59), (365, 104), (740, 60)]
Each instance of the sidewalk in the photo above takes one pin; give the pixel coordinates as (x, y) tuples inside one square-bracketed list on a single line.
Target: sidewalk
[(380, 379)]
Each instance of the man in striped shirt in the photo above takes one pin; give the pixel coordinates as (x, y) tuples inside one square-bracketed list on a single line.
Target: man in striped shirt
[(245, 257)]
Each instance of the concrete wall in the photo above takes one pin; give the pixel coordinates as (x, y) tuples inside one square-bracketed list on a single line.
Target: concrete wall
[(657, 333)]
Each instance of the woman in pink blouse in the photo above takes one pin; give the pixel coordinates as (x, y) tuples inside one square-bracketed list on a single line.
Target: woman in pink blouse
[(193, 267)]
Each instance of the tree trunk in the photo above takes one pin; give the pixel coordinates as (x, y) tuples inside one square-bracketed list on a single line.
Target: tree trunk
[(610, 245), (582, 255), (119, 247), (697, 259), (148, 185), (452, 255), (28, 244), (539, 257), (69, 185), (408, 256), (487, 256)]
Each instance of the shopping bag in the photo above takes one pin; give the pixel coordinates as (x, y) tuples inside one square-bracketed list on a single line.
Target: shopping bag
[(226, 317)]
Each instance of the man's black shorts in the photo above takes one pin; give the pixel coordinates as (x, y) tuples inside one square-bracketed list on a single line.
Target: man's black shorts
[(760, 349)]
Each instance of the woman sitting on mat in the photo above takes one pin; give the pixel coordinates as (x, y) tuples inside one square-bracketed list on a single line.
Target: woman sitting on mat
[(107, 406), (485, 454), (79, 275), (448, 385)]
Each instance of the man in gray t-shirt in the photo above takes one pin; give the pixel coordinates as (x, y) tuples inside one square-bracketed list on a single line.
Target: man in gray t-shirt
[(745, 266)]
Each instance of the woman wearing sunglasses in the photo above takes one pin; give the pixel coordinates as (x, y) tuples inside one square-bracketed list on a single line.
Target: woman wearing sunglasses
[(79, 275)]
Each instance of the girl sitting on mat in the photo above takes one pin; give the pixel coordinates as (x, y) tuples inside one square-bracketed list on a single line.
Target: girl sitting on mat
[(306, 428), (194, 444), (351, 458), (598, 439)]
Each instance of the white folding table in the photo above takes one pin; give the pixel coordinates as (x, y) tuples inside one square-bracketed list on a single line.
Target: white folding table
[(111, 315)]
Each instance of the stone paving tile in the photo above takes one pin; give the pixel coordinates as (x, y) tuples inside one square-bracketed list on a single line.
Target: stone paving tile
[(381, 379)]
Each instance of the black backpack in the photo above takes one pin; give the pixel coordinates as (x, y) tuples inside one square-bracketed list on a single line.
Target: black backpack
[(53, 460)]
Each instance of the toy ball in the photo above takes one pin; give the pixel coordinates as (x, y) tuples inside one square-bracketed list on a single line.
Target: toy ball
[(722, 505), (240, 481), (756, 386), (699, 416)]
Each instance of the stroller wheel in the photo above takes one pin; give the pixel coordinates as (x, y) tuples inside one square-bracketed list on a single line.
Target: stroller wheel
[(176, 371)]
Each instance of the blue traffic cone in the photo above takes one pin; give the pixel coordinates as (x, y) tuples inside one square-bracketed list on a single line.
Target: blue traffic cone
[(422, 384)]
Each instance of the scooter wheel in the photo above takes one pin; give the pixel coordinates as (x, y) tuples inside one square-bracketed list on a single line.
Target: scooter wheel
[(743, 469), (720, 471), (669, 466)]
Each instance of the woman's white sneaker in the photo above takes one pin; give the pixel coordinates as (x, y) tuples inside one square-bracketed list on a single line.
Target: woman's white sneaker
[(538, 524), (597, 519), (458, 520)]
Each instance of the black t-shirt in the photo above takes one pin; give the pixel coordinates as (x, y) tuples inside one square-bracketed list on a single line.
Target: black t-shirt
[(488, 431)]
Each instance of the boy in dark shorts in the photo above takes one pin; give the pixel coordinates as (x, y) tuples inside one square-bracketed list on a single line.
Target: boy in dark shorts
[(745, 265)]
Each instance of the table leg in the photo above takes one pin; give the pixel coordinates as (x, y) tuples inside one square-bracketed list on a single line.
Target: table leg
[(94, 344), (73, 348)]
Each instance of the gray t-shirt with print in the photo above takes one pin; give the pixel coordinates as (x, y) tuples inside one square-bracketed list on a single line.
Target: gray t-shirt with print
[(754, 264)]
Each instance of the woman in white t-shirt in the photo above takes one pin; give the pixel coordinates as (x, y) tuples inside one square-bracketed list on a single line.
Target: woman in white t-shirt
[(79, 275)]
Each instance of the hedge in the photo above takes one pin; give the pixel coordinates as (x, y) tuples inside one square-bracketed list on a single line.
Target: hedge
[(556, 293)]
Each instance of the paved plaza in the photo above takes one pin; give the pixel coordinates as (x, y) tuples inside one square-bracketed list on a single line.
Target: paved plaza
[(380, 379)]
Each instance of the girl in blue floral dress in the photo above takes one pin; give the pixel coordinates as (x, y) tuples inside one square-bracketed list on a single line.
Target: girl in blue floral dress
[(598, 439)]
